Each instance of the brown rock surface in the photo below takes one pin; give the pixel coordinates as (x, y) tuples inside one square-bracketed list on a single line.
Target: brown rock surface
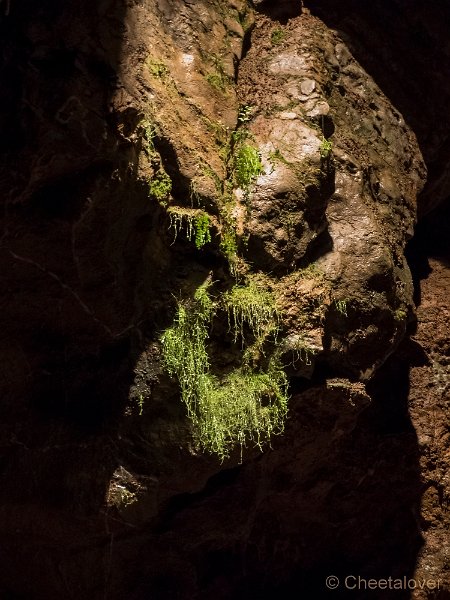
[(103, 495)]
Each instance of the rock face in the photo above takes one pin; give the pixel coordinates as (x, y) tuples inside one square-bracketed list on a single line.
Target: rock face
[(124, 126), (421, 99), (353, 213)]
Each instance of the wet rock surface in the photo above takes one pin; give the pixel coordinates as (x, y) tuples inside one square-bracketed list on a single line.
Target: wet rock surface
[(103, 492)]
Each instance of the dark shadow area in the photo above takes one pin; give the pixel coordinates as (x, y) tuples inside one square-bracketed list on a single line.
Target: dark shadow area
[(67, 356), (431, 239), (279, 10), (314, 505)]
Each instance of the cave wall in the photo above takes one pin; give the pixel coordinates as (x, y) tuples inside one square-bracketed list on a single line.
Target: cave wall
[(103, 491)]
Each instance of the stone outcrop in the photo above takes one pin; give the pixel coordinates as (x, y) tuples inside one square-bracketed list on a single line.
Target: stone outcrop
[(122, 124)]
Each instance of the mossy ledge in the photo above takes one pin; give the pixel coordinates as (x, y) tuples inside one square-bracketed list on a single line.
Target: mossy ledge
[(244, 405)]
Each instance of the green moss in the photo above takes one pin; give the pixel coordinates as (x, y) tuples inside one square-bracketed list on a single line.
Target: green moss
[(218, 81), (193, 223), (228, 245), (242, 406), (202, 230), (239, 408), (341, 307), (400, 314), (252, 306), (157, 68), (184, 347), (160, 186), (301, 351), (247, 166), (326, 148), (278, 36)]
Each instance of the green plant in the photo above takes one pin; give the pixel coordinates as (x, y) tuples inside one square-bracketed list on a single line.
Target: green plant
[(252, 306), (400, 314), (148, 136), (311, 271), (238, 136), (301, 351), (245, 113), (341, 307), (228, 246), (157, 68), (276, 155), (325, 149), (217, 81), (193, 222), (202, 230), (248, 166), (241, 406), (160, 186), (184, 347), (277, 37), (140, 402)]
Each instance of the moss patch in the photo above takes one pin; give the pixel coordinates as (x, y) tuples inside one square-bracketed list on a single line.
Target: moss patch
[(193, 223), (245, 405)]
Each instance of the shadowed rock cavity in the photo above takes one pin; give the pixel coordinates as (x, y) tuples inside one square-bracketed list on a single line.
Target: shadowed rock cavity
[(280, 10)]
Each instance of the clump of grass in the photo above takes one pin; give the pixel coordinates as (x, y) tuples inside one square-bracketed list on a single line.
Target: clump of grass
[(242, 406)]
